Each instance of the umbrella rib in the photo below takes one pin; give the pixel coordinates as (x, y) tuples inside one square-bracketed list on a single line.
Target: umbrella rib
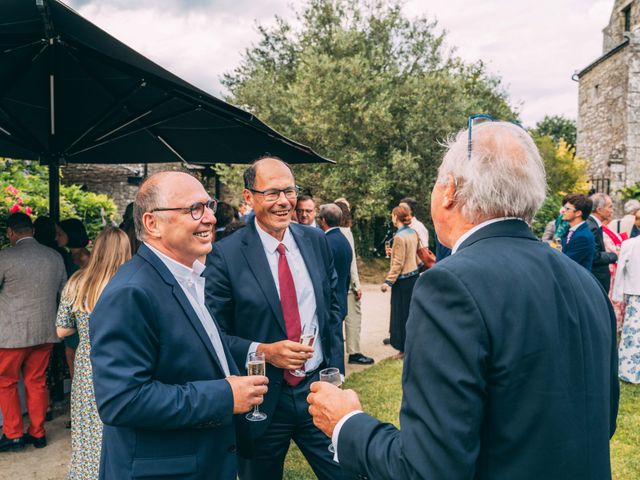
[(106, 115), (27, 137)]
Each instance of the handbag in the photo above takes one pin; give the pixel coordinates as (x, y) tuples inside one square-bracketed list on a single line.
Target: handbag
[(426, 256)]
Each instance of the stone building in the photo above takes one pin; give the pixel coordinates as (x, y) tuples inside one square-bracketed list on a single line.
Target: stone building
[(609, 104)]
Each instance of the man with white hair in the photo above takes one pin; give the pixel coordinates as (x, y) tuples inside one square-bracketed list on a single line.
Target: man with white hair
[(602, 211), (625, 224), (510, 358)]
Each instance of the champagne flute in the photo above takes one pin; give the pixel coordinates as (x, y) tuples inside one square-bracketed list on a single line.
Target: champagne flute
[(256, 366), (332, 376), (307, 338), (387, 247)]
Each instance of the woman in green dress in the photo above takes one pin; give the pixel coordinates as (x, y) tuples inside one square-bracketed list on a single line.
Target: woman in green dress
[(78, 299)]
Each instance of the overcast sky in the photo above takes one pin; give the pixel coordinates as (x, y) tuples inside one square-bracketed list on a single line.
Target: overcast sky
[(533, 45)]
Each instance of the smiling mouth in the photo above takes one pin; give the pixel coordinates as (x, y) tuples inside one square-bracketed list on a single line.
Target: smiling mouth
[(205, 234), (282, 213)]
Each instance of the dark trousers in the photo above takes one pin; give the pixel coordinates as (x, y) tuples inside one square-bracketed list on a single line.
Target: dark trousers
[(291, 421)]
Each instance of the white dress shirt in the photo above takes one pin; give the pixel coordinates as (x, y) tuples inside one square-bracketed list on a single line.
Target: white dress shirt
[(628, 273), (470, 232), (192, 284), (421, 230), (304, 288)]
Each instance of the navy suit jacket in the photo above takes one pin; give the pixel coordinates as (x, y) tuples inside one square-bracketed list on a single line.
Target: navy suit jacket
[(601, 258), (243, 297), (342, 256), (158, 383), (582, 246), (510, 371)]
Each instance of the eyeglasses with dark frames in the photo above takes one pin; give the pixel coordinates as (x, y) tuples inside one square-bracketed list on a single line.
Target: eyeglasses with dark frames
[(273, 194), (476, 120), (196, 210)]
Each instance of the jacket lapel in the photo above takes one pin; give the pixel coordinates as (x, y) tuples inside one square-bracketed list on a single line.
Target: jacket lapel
[(253, 251), (182, 299)]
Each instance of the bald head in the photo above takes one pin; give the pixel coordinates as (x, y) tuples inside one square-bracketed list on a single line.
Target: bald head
[(157, 191), (264, 167)]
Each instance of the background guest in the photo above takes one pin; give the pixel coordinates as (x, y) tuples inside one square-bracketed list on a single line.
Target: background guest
[(416, 225), (635, 230), (612, 243), (225, 215), (26, 315), (578, 244), (80, 295), (306, 211), (626, 223), (353, 320), (77, 240), (627, 288), (402, 275), (602, 211)]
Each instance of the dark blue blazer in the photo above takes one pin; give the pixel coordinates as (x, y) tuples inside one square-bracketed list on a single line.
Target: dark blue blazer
[(510, 371), (159, 386), (582, 246), (243, 297), (342, 256)]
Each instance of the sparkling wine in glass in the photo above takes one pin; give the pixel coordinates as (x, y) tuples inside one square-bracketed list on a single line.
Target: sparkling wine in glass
[(307, 338), (332, 376), (256, 366)]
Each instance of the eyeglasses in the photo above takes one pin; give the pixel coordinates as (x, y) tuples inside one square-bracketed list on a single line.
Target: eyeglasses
[(196, 210), (571, 209), (273, 194), (300, 211), (478, 119)]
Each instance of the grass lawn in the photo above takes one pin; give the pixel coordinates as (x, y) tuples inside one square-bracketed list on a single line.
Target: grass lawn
[(380, 391)]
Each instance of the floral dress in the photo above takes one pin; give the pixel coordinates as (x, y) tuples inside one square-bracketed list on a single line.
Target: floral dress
[(86, 426), (629, 348)]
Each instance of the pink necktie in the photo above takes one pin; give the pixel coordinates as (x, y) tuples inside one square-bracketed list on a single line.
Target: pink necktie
[(569, 235), (289, 303)]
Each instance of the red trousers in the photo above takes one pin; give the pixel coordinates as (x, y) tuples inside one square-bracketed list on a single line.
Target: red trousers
[(32, 362)]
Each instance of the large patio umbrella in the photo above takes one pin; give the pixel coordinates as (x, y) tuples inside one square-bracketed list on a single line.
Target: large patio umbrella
[(71, 93)]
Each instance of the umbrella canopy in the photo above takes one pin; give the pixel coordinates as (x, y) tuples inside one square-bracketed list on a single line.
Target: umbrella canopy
[(71, 93)]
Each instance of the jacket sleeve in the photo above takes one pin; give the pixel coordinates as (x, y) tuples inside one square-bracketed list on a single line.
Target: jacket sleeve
[(580, 250), (443, 393), (221, 304), (600, 255), (124, 348), (398, 253)]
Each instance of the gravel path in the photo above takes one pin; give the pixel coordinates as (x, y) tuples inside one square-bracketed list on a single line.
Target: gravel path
[(50, 463)]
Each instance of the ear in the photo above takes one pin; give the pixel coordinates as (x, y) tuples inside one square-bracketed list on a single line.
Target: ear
[(151, 225), (248, 198), (449, 194)]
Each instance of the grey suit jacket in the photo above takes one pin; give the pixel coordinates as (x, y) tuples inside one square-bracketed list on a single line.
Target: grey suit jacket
[(31, 277)]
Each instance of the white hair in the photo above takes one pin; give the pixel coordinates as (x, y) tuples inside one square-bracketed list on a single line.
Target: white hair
[(599, 200), (505, 176), (631, 206)]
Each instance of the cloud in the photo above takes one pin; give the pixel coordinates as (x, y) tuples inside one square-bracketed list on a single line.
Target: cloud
[(534, 45)]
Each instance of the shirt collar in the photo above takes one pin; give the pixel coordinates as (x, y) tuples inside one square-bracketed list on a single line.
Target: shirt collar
[(470, 232), (270, 243), (177, 269), (23, 238), (332, 228), (597, 220), (577, 226)]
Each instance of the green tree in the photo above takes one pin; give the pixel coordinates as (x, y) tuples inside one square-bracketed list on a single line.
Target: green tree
[(25, 188), (369, 88), (558, 128)]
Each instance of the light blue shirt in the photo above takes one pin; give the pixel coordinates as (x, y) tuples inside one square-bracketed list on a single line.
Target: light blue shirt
[(192, 284), (304, 287)]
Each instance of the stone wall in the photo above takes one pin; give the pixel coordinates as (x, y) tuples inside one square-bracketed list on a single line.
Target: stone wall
[(602, 116), (633, 111), (613, 34), (112, 179)]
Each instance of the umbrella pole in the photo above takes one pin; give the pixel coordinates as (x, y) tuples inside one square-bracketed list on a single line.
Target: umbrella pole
[(54, 190)]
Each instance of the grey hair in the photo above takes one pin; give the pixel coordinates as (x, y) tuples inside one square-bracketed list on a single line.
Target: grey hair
[(331, 214), (631, 206), (505, 176), (147, 198), (599, 200)]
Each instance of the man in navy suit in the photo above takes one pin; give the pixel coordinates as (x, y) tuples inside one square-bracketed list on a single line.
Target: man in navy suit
[(329, 218), (165, 383), (602, 212), (266, 284), (579, 244), (510, 366)]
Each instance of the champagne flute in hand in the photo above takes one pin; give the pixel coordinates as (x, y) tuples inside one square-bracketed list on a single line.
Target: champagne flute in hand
[(332, 376), (307, 338), (256, 366)]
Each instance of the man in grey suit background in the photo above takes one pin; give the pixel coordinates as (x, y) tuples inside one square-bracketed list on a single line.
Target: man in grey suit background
[(27, 323)]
